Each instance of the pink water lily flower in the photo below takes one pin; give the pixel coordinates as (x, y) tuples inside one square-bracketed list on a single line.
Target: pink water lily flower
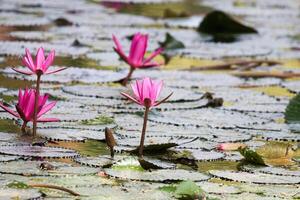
[(146, 89), (136, 58), (40, 65), (25, 107), (146, 92)]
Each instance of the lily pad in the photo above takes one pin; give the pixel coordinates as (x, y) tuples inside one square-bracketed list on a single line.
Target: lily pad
[(7, 158), (73, 74), (33, 168), (214, 118), (271, 170), (218, 22), (158, 175), (6, 193), (64, 134), (154, 144), (38, 151), (152, 163), (291, 113), (102, 161), (259, 178)]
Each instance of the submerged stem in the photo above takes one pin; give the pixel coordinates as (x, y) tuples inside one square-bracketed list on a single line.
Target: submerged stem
[(141, 148), (55, 187), (36, 103), (23, 128), (127, 78)]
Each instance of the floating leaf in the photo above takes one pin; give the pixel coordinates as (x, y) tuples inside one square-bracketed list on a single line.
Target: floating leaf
[(158, 175), (251, 156), (101, 161), (258, 178), (33, 168), (271, 170), (292, 112), (188, 190), (65, 134), (38, 151), (20, 193), (218, 22), (171, 43)]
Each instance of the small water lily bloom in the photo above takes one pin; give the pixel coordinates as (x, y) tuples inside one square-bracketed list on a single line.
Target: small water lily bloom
[(230, 146), (136, 58), (40, 65), (25, 107), (146, 92)]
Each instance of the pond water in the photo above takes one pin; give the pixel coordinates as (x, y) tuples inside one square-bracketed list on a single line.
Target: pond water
[(230, 90)]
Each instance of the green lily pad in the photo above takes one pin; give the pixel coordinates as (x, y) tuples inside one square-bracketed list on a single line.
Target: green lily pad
[(33, 168), (38, 151), (251, 156), (64, 134), (292, 114), (157, 175), (259, 178)]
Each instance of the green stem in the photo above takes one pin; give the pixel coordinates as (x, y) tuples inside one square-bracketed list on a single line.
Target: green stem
[(141, 148), (36, 104)]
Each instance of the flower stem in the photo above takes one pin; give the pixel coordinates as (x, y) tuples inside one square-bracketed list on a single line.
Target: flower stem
[(36, 104), (127, 78), (55, 187), (141, 148), (23, 128)]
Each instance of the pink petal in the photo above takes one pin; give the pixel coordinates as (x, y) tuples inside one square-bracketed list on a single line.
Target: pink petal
[(27, 64), (46, 108), (29, 60), (57, 70), (135, 90), (147, 89), (48, 62), (9, 110), (150, 64), (163, 100), (29, 108), (155, 53), (139, 50), (130, 98), (40, 58), (22, 72), (48, 120), (122, 55), (134, 54)]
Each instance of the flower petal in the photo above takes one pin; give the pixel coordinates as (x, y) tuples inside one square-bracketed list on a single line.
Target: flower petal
[(48, 62), (46, 108), (163, 100), (22, 72), (40, 58), (29, 60), (130, 98), (57, 70), (139, 50), (9, 110), (155, 53)]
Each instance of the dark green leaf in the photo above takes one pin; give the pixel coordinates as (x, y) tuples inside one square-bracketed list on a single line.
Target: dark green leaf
[(251, 156)]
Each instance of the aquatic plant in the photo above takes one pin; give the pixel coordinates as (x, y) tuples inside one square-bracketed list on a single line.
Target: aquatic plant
[(146, 92), (39, 67), (25, 107), (136, 58)]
